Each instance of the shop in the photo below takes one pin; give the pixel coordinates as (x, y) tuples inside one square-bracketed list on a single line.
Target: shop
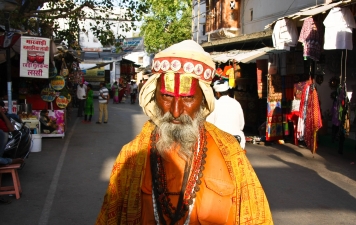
[(44, 80), (303, 87)]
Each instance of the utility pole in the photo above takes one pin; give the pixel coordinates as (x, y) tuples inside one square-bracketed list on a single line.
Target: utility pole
[(198, 29), (193, 18)]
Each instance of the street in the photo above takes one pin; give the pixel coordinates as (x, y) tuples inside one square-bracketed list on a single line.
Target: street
[(64, 184)]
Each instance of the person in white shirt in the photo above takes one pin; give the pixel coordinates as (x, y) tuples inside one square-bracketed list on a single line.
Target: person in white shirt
[(81, 93), (133, 92), (103, 103), (228, 115)]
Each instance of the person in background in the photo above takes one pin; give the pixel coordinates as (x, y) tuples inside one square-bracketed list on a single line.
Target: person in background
[(81, 92), (48, 125), (122, 90), (140, 86), (128, 90), (133, 92), (103, 103), (6, 127), (115, 90), (89, 104), (228, 115), (11, 115), (180, 169)]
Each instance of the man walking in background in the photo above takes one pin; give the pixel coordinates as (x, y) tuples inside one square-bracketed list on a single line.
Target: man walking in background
[(103, 103), (133, 92), (81, 93), (228, 114)]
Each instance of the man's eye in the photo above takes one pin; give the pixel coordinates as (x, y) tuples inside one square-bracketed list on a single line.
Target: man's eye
[(188, 97)]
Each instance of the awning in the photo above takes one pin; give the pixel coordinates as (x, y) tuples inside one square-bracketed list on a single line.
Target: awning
[(91, 66), (311, 11), (242, 56)]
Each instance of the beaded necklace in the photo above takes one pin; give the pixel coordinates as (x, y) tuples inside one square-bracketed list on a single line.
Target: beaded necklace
[(190, 185)]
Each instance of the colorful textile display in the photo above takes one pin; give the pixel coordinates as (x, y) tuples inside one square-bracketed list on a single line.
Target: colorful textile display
[(288, 82), (275, 88), (309, 121), (231, 74), (313, 121), (274, 130), (302, 113), (312, 38)]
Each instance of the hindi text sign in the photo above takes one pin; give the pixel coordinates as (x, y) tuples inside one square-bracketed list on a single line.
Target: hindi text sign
[(34, 61)]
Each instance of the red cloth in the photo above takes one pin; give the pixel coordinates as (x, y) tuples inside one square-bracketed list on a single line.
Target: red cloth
[(313, 120), (3, 126)]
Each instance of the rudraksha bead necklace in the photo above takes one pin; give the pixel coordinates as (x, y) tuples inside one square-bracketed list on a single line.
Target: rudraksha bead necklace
[(160, 194)]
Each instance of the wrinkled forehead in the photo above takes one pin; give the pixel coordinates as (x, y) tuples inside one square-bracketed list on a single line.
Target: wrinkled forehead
[(176, 84)]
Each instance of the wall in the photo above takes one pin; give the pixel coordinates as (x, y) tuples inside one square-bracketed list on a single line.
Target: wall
[(223, 21), (267, 11), (198, 31)]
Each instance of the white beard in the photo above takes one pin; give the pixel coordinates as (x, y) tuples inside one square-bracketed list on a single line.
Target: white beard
[(184, 135)]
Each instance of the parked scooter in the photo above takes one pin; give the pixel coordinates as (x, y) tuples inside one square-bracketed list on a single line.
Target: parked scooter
[(20, 141)]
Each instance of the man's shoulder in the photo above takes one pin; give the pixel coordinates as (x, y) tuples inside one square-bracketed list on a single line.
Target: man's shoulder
[(214, 130), (223, 140)]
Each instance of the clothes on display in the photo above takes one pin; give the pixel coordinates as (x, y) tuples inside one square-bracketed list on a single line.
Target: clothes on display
[(338, 29), (312, 38), (309, 121), (285, 34), (274, 128), (313, 121)]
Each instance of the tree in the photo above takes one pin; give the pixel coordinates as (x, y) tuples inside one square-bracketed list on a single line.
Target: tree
[(168, 22), (45, 22)]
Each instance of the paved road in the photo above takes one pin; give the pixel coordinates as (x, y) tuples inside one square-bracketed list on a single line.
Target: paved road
[(64, 184)]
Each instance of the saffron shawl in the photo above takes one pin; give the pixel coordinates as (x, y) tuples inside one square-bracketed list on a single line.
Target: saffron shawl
[(122, 202)]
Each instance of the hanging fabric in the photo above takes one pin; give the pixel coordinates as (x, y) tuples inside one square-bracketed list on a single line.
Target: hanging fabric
[(313, 121), (285, 34), (274, 123), (312, 38), (338, 29)]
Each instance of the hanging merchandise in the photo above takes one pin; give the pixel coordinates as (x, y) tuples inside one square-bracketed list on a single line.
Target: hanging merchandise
[(58, 83), (231, 76), (274, 129), (338, 29), (64, 69), (312, 37), (319, 79), (225, 74), (334, 82), (52, 71), (313, 121), (285, 34), (342, 112), (62, 102), (48, 94), (69, 97)]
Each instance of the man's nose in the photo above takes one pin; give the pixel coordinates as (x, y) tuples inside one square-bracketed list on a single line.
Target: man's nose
[(176, 107)]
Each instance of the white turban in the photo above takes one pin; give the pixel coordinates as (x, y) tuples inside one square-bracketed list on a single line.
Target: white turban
[(221, 86), (186, 57)]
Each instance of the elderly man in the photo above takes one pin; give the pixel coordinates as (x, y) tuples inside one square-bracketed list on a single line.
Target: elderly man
[(180, 169)]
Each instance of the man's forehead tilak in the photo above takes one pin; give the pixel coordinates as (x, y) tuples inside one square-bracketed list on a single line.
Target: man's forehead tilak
[(178, 84)]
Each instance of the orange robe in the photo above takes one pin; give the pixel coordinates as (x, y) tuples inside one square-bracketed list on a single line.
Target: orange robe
[(230, 192)]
